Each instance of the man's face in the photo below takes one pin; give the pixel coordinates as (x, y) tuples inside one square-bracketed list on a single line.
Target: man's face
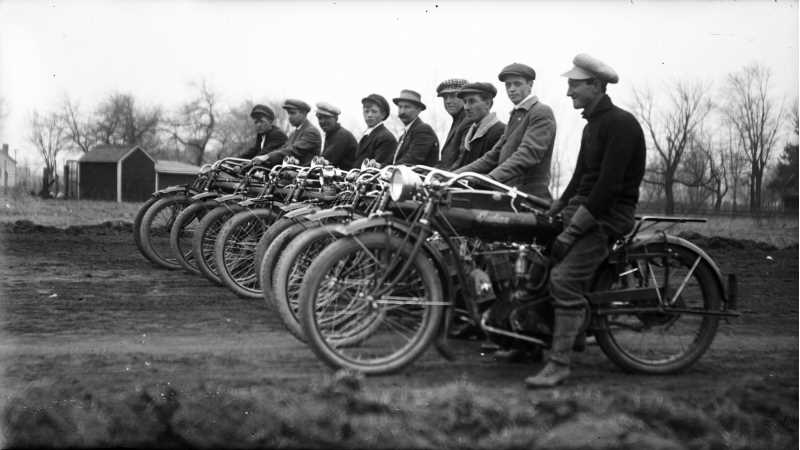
[(326, 122), (296, 117), (475, 107), (452, 104), (372, 114), (262, 124), (583, 92), (518, 88), (407, 111)]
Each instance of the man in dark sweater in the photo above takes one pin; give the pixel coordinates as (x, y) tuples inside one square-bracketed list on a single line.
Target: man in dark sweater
[(340, 145), (598, 206), (268, 136), (454, 105), (377, 142), (305, 141)]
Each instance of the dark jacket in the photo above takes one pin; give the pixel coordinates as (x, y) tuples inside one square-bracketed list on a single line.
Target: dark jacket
[(304, 143), (521, 158), (379, 145), (473, 146), (265, 143), (450, 148), (419, 145), (611, 160), (340, 148)]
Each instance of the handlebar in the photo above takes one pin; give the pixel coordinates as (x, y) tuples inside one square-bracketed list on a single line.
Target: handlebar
[(511, 191)]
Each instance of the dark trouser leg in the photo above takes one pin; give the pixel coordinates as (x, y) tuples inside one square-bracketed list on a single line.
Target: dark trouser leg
[(569, 280)]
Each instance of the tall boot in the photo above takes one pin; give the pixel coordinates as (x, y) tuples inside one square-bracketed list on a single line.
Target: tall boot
[(568, 323)]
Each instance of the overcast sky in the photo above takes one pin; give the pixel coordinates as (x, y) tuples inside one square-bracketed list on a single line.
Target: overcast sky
[(341, 51)]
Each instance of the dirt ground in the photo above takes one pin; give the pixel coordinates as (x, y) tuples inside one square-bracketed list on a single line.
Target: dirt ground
[(87, 320)]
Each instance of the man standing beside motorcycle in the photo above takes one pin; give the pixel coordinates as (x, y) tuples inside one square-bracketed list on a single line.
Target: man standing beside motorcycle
[(598, 206)]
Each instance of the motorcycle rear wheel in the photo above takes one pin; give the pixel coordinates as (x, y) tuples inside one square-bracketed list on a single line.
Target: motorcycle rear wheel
[(662, 343), (336, 303)]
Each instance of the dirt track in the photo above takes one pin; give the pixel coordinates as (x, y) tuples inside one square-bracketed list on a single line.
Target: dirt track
[(84, 307)]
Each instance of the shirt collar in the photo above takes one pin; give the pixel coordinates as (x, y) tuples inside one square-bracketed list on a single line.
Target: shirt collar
[(405, 128), (369, 131), (526, 103), (602, 105)]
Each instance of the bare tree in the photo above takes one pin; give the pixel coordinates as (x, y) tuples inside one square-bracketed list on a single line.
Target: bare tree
[(756, 118), (195, 124), (670, 128), (49, 136), (79, 129), (120, 122)]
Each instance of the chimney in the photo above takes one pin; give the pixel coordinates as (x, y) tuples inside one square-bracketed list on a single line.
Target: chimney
[(5, 149)]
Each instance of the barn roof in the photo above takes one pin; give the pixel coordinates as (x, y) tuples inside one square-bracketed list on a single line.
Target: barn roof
[(107, 153), (165, 166)]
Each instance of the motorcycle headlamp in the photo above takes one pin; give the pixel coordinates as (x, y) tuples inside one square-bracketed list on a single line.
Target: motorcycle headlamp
[(403, 183)]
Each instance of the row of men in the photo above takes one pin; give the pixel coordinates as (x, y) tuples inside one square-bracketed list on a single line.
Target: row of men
[(477, 138), (597, 206)]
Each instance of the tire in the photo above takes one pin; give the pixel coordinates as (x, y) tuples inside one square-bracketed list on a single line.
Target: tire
[(137, 223), (667, 343), (234, 250), (344, 275), (154, 231), (180, 236), (302, 246), (204, 239), (273, 231)]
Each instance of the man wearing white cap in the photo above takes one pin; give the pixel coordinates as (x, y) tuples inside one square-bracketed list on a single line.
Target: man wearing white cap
[(340, 144), (597, 206)]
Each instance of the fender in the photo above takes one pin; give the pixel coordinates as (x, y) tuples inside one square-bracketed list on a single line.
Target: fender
[(173, 189), (331, 213), (302, 211), (262, 202), (205, 196), (681, 242), (230, 197)]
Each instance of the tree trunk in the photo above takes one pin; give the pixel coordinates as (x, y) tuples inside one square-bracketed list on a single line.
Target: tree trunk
[(669, 197)]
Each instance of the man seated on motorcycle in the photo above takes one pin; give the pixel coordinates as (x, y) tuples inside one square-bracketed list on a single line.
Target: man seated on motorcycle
[(268, 136), (305, 141), (597, 206)]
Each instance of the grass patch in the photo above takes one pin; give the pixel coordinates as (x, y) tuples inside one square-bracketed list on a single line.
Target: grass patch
[(62, 213), (342, 413)]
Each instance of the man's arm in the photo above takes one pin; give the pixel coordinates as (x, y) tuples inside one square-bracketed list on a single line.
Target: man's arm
[(385, 146), (536, 142), (340, 150), (275, 140), (250, 152)]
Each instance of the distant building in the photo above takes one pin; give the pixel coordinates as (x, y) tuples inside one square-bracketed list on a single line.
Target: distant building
[(8, 170), (122, 174)]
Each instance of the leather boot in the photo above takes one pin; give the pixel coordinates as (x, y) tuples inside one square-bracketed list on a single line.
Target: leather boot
[(568, 323)]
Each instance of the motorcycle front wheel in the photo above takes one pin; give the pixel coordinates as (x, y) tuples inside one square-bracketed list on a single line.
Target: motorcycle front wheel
[(661, 342), (180, 236), (204, 239), (354, 288), (155, 227), (235, 248)]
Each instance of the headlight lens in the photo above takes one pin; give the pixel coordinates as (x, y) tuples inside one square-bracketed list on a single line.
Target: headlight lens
[(403, 184)]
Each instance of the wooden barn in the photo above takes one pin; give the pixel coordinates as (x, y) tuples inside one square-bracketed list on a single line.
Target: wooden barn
[(122, 174)]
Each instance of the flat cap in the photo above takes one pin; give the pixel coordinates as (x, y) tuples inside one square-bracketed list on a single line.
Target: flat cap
[(407, 95), (586, 67), (326, 109), (517, 69), (293, 103), (262, 110), (450, 86), (478, 87), (379, 100)]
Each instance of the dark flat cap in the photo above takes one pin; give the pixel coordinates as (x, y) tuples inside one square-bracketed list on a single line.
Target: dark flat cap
[(586, 67), (293, 103), (517, 69), (382, 103), (262, 110), (450, 86), (477, 88), (407, 95)]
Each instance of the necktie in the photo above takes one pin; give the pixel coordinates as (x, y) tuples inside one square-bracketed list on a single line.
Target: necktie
[(470, 133), (399, 144), (263, 140)]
